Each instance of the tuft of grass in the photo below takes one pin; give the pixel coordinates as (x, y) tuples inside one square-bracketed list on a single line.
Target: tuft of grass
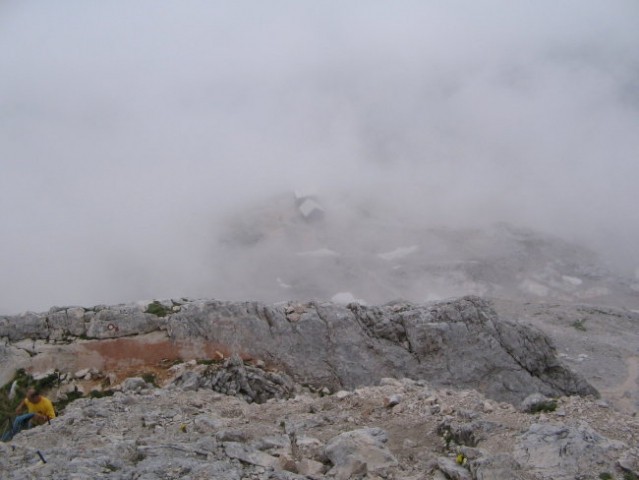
[(150, 378), (550, 406), (71, 396), (156, 308), (606, 476), (630, 476), (101, 393), (209, 361), (109, 467), (579, 325)]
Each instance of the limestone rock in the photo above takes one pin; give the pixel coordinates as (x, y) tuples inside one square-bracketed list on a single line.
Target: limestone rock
[(250, 455), (134, 384), (453, 470), (498, 467), (459, 342), (362, 449), (629, 461), (564, 452)]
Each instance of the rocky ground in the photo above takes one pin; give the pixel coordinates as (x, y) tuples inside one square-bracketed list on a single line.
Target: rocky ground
[(232, 417), (401, 429)]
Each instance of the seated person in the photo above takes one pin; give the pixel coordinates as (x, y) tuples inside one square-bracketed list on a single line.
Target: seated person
[(39, 408)]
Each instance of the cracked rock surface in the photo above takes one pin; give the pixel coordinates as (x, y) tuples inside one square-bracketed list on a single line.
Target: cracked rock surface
[(460, 343)]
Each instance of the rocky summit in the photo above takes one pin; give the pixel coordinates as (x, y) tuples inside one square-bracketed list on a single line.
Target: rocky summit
[(465, 388)]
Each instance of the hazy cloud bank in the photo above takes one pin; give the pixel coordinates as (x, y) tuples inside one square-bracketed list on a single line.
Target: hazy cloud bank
[(128, 130)]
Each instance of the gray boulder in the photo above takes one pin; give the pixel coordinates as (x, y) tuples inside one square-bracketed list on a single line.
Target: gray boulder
[(566, 452), (359, 451), (452, 469), (459, 343)]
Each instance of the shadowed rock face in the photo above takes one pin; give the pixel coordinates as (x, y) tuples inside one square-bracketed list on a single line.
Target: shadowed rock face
[(460, 343)]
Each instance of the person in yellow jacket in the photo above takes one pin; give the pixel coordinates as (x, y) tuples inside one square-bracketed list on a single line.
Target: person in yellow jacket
[(40, 410)]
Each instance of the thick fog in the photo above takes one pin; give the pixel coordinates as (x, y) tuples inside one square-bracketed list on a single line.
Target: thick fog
[(130, 132)]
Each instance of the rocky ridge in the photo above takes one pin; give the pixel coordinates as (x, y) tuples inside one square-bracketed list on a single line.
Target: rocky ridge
[(460, 343)]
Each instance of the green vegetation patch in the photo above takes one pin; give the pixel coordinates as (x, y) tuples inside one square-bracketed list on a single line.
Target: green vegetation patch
[(101, 393), (549, 406), (210, 361), (61, 403), (150, 378), (156, 308), (579, 325)]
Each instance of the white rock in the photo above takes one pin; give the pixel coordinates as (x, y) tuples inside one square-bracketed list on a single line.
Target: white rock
[(81, 373), (365, 446), (310, 209)]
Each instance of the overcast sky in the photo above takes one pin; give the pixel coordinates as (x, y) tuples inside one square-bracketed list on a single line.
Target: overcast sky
[(129, 128)]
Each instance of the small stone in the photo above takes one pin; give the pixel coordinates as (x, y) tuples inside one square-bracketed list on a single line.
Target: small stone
[(408, 443), (342, 394), (393, 400)]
